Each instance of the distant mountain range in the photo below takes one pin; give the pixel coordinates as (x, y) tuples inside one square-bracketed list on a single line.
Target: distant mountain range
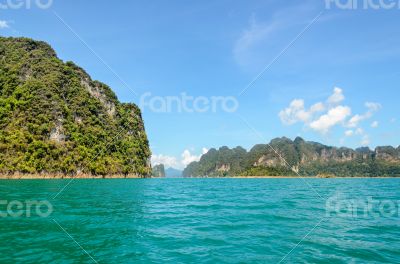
[(159, 171), (282, 156), (173, 173)]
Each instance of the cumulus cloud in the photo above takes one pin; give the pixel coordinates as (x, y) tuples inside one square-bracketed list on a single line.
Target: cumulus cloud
[(188, 158), (322, 117), (4, 24), (296, 112), (318, 107), (334, 117), (168, 161), (353, 122), (172, 162)]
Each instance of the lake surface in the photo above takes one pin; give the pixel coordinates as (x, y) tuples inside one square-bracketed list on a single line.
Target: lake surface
[(202, 221)]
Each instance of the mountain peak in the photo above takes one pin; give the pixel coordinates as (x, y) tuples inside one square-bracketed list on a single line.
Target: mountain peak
[(299, 140)]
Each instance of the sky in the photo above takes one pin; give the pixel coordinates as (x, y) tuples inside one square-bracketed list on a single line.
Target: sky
[(230, 73)]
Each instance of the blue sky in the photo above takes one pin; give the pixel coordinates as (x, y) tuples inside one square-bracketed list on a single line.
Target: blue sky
[(332, 75)]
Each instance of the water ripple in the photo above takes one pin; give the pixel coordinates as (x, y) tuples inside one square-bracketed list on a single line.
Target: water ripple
[(199, 221)]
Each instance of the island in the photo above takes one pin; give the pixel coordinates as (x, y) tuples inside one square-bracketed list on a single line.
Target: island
[(297, 158), (57, 122)]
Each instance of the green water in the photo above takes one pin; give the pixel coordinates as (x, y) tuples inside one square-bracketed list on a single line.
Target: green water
[(201, 221)]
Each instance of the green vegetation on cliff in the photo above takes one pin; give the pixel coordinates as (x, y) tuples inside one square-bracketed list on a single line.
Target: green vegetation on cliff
[(55, 119), (284, 157)]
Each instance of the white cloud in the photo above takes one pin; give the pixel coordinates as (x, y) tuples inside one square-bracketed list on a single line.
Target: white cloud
[(188, 158), (356, 119), (318, 107), (334, 117), (168, 161), (349, 133), (323, 116), (296, 112), (353, 122), (204, 151), (375, 124), (4, 24), (172, 162), (337, 96)]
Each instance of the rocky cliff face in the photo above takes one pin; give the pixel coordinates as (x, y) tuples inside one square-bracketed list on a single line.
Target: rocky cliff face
[(284, 156), (301, 153), (55, 119), (158, 171)]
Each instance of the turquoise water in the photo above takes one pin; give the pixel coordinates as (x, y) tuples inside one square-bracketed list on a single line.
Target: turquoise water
[(201, 221)]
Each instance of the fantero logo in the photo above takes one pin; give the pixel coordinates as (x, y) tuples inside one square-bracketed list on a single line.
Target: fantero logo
[(362, 4), (25, 4), (185, 103), (367, 207), (27, 208)]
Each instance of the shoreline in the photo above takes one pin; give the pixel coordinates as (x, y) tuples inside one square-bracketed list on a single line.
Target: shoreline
[(310, 177), (296, 177), (99, 177), (62, 176)]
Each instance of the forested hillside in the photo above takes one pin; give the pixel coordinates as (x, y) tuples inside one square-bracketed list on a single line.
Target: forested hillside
[(55, 119), (283, 156)]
